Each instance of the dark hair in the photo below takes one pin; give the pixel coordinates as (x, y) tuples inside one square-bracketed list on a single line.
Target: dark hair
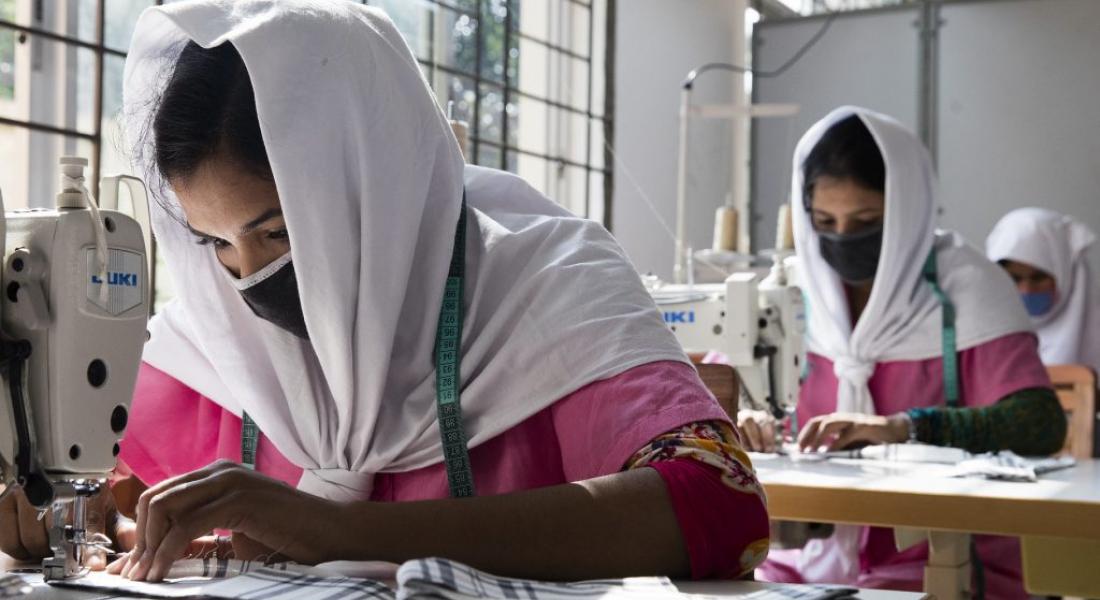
[(846, 151), (207, 107)]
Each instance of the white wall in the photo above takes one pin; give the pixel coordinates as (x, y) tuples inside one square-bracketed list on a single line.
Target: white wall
[(1019, 111), (658, 43)]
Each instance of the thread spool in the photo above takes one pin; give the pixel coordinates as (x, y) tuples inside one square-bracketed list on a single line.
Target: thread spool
[(725, 229), (461, 130), (784, 233)]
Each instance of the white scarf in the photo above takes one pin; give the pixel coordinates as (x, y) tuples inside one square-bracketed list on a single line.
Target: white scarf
[(370, 179), (902, 319), (1057, 244)]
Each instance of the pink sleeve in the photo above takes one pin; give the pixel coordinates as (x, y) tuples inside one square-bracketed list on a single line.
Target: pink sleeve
[(725, 531), (1005, 365), (602, 424), (173, 430)]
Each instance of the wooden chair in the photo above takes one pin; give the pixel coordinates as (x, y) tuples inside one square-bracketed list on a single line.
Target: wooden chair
[(1076, 389), (722, 381), (1065, 567)]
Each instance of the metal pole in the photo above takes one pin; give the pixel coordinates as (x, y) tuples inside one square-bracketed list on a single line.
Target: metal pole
[(928, 72), (678, 274)]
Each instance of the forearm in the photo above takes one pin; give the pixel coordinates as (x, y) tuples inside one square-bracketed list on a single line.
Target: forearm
[(1029, 422), (617, 525)]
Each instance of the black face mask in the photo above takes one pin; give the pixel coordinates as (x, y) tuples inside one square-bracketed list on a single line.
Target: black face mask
[(272, 294), (854, 256)]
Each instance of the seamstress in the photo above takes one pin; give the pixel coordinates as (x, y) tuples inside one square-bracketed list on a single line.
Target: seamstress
[(877, 277), (1047, 255), (349, 285)]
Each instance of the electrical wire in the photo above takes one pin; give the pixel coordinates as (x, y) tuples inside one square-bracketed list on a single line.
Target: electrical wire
[(797, 56)]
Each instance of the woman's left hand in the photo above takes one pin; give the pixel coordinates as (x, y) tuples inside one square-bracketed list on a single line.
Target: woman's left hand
[(225, 495), (841, 430)]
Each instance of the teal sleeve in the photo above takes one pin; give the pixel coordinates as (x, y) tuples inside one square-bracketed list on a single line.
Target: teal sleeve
[(1030, 422)]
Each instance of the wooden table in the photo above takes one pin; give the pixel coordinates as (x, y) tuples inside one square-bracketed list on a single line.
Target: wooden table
[(1063, 504)]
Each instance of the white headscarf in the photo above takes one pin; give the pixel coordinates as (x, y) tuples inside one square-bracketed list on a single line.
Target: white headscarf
[(902, 319), (370, 179), (1057, 244)]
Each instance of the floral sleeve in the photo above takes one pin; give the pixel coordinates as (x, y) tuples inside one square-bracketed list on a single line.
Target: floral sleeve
[(719, 503)]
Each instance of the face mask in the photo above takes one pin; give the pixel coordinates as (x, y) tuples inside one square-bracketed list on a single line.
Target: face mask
[(854, 256), (272, 294), (1038, 303)]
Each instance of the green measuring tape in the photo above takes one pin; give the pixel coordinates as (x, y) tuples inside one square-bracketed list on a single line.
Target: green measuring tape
[(947, 333), (250, 440), (448, 338)]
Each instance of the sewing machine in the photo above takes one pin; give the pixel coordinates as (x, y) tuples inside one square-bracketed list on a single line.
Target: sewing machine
[(73, 310), (758, 325)]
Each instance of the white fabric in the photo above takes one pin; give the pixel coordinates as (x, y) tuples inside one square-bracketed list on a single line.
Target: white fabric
[(1057, 244), (370, 178), (902, 319)]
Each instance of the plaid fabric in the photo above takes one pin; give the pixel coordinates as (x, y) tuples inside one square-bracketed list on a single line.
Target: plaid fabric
[(445, 579), (424, 579), (12, 585), (234, 579)]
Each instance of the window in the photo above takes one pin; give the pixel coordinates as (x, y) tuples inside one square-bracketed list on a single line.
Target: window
[(528, 75)]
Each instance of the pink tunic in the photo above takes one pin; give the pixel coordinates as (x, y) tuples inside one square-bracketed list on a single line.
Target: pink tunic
[(987, 373), (591, 432)]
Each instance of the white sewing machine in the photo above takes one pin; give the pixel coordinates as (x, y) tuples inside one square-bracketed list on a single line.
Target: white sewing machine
[(73, 310), (758, 325)]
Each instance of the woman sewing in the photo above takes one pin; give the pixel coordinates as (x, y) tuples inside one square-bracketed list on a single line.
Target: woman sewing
[(372, 306), (1047, 255), (912, 335)]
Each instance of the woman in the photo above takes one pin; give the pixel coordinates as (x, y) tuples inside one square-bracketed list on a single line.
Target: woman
[(355, 291), (876, 277), (1046, 254)]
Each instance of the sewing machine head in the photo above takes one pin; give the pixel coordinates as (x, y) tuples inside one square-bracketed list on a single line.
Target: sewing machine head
[(74, 302), (757, 323)]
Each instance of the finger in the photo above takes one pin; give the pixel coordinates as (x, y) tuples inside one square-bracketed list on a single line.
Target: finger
[(142, 510), (207, 546), (822, 431), (124, 534), (116, 566), (807, 438), (178, 539), (10, 542), (835, 428), (853, 435), (172, 506), (95, 559), (166, 507), (32, 532)]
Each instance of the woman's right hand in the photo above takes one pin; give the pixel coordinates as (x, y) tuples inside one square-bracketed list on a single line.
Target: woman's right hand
[(758, 430)]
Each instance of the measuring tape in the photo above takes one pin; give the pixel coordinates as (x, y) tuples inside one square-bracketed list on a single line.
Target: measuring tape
[(448, 340), (947, 333)]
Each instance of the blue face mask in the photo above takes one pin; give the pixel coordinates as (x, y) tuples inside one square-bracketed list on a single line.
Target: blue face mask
[(1038, 303)]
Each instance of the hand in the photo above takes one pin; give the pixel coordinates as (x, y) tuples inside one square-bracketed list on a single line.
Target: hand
[(23, 536), (842, 430), (757, 430), (225, 495)]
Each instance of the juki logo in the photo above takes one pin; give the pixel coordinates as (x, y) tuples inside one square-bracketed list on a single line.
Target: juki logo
[(124, 279), (680, 316)]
